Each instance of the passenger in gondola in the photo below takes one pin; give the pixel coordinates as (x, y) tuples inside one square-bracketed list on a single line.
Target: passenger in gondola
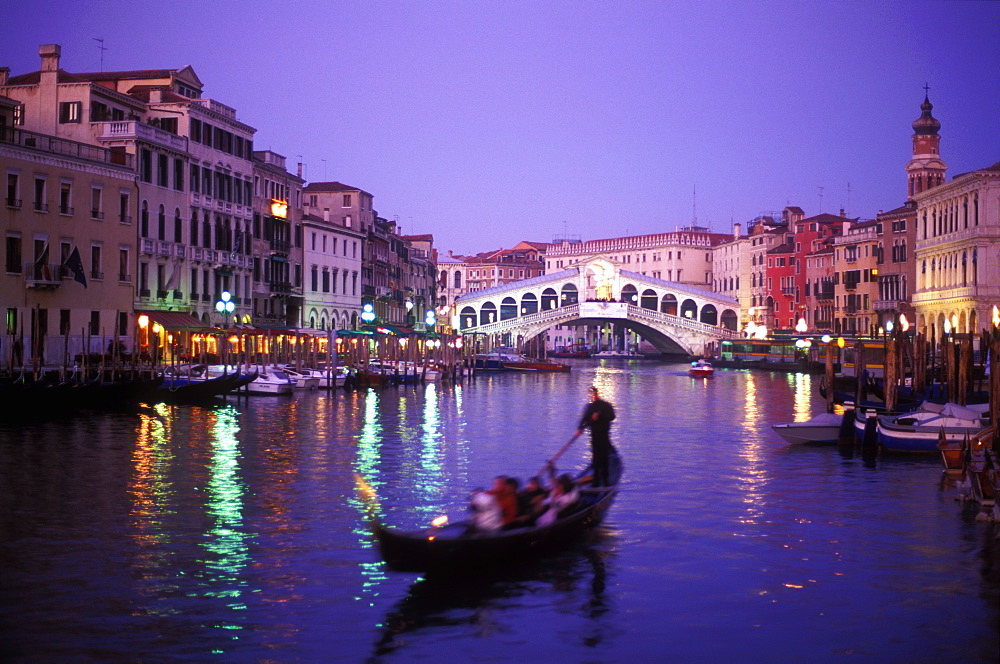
[(505, 494), (560, 500), (530, 503), (486, 514)]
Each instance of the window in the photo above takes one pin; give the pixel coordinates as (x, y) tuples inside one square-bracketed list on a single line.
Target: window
[(347, 201), (69, 112), (123, 215), (123, 266), (65, 198), (13, 254), (195, 179), (12, 191), (40, 204), (145, 165), (96, 207), (18, 114), (162, 170), (95, 262), (178, 175), (95, 323)]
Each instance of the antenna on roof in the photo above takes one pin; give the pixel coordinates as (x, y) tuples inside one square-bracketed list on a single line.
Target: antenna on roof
[(324, 169), (848, 198), (820, 198), (694, 206), (101, 48)]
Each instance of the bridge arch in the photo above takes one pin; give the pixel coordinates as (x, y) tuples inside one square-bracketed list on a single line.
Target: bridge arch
[(529, 304), (508, 308), (569, 294), (549, 299), (709, 315), (649, 299), (674, 317), (689, 309), (487, 313)]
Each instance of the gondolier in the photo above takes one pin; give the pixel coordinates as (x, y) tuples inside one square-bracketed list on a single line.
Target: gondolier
[(597, 416)]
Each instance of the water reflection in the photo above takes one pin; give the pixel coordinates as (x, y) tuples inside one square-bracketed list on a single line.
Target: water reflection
[(575, 580)]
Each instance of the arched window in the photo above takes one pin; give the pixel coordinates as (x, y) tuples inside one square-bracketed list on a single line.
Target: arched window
[(144, 220), (508, 308), (529, 304), (668, 304), (569, 295), (467, 318), (458, 279), (649, 299), (161, 224)]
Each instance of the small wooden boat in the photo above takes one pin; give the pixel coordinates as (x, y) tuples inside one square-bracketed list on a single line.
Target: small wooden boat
[(701, 369), (824, 428), (453, 547)]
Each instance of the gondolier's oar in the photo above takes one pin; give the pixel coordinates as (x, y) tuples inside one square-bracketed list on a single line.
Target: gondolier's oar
[(560, 452)]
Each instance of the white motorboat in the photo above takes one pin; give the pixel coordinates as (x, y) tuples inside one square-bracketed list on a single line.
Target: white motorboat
[(270, 381), (302, 379), (824, 428)]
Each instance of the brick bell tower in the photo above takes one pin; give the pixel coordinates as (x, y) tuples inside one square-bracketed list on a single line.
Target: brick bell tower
[(925, 169)]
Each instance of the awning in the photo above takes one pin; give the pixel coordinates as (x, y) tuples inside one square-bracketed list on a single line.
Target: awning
[(174, 320)]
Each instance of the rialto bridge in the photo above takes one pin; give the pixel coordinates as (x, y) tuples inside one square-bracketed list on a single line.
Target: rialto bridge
[(673, 317)]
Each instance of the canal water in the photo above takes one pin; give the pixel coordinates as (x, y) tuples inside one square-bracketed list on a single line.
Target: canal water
[(233, 533)]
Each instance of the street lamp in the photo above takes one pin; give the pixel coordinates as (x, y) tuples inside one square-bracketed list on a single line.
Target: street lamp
[(368, 312), (225, 306)]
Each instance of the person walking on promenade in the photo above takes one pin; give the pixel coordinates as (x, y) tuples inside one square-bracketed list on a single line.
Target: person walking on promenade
[(597, 416)]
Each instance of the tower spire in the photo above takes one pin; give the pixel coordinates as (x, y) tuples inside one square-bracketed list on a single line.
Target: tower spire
[(925, 169)]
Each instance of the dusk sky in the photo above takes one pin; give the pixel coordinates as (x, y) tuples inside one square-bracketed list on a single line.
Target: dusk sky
[(487, 123)]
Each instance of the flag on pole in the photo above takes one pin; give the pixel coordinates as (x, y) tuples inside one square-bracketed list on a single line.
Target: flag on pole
[(75, 265)]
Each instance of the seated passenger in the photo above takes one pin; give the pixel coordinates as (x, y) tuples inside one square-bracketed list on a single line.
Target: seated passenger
[(486, 515), (531, 502), (506, 497), (563, 496)]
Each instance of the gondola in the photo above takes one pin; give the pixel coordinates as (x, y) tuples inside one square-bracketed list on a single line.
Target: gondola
[(453, 549)]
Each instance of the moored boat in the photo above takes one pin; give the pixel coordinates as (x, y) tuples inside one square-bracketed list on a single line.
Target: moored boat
[(824, 428), (921, 430), (454, 548)]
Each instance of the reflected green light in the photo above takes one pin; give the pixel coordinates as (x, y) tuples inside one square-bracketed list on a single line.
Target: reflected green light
[(226, 539)]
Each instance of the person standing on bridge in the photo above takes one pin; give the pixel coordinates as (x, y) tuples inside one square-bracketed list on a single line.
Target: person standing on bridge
[(597, 416)]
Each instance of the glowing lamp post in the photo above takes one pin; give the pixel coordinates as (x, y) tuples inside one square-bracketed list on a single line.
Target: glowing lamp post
[(225, 306), (368, 312)]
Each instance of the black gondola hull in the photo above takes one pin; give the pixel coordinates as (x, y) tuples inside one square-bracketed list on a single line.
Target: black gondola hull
[(451, 549)]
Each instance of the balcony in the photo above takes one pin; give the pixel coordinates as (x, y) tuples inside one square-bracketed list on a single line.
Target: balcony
[(281, 246), (96, 214), (41, 207), (133, 130), (14, 203), (43, 276), (280, 287), (45, 143), (125, 219)]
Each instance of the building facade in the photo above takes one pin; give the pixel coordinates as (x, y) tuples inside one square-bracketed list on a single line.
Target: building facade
[(957, 254), (69, 256)]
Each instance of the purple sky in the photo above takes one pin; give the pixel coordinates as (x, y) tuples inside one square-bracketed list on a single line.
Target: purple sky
[(487, 123)]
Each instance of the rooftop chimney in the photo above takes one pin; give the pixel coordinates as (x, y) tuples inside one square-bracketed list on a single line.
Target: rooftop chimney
[(842, 213), (4, 73), (50, 56), (737, 229)]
